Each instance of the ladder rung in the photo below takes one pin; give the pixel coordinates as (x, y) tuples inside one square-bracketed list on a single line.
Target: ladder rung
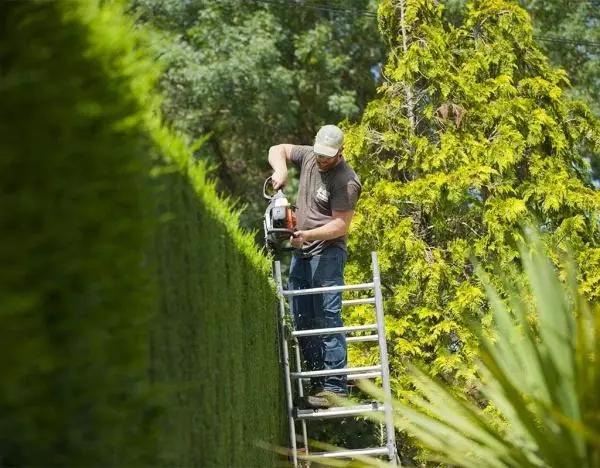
[(349, 302), (354, 339), (366, 375), (348, 453), (328, 372), (327, 289), (329, 331), (340, 412)]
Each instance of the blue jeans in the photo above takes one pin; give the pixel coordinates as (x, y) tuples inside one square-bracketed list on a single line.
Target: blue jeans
[(321, 311)]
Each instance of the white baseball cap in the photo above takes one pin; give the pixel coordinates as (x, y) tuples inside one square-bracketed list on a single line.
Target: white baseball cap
[(329, 141)]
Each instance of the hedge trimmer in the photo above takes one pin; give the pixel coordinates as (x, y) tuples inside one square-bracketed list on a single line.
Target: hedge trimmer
[(279, 221)]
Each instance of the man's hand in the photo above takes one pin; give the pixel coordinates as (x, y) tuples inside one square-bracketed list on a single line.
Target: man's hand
[(298, 239), (279, 179)]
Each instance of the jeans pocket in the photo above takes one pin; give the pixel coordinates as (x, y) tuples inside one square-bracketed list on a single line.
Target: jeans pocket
[(329, 268)]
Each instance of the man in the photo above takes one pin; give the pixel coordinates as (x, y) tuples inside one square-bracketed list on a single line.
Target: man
[(328, 192)]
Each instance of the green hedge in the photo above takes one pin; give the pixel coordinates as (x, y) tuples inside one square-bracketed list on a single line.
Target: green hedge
[(216, 336), (118, 291)]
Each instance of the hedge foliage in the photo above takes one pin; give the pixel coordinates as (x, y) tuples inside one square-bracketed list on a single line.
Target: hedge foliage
[(137, 321), (216, 338)]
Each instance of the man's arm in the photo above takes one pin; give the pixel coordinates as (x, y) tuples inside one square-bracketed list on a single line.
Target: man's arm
[(335, 228), (279, 155)]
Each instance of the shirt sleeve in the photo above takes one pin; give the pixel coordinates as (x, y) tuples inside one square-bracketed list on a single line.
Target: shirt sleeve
[(298, 154), (346, 197)]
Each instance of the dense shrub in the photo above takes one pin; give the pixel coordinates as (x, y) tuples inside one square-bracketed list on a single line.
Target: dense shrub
[(128, 339), (215, 337), (76, 297)]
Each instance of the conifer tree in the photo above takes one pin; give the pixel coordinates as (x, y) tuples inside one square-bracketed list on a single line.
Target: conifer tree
[(471, 135)]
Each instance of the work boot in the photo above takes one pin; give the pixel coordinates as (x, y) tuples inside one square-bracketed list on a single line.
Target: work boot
[(324, 399)]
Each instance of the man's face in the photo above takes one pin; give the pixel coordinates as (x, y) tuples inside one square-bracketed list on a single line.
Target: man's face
[(324, 163)]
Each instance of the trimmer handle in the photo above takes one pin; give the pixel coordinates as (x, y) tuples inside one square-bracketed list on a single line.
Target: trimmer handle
[(269, 197)]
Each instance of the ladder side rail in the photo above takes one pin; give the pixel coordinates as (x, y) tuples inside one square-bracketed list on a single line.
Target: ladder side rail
[(327, 289), (301, 395), (286, 364), (296, 346), (385, 366)]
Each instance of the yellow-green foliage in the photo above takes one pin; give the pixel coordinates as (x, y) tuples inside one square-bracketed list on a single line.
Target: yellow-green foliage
[(471, 135), (544, 379), (137, 321)]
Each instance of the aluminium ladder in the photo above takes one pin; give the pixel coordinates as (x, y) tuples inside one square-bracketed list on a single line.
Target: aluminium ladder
[(352, 373)]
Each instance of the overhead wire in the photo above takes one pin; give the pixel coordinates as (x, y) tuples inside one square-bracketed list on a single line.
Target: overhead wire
[(321, 7), (367, 13), (564, 40)]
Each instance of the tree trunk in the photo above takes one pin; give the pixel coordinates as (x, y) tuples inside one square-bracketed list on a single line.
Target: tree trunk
[(410, 100)]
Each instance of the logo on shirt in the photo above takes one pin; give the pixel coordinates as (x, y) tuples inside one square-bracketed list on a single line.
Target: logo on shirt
[(322, 194)]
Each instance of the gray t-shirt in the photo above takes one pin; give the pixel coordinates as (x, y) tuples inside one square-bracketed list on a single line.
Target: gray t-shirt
[(320, 193)]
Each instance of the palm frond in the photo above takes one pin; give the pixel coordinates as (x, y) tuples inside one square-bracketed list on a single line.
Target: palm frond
[(542, 377)]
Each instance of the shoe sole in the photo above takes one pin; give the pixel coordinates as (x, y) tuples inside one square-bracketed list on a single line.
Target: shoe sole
[(313, 402)]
